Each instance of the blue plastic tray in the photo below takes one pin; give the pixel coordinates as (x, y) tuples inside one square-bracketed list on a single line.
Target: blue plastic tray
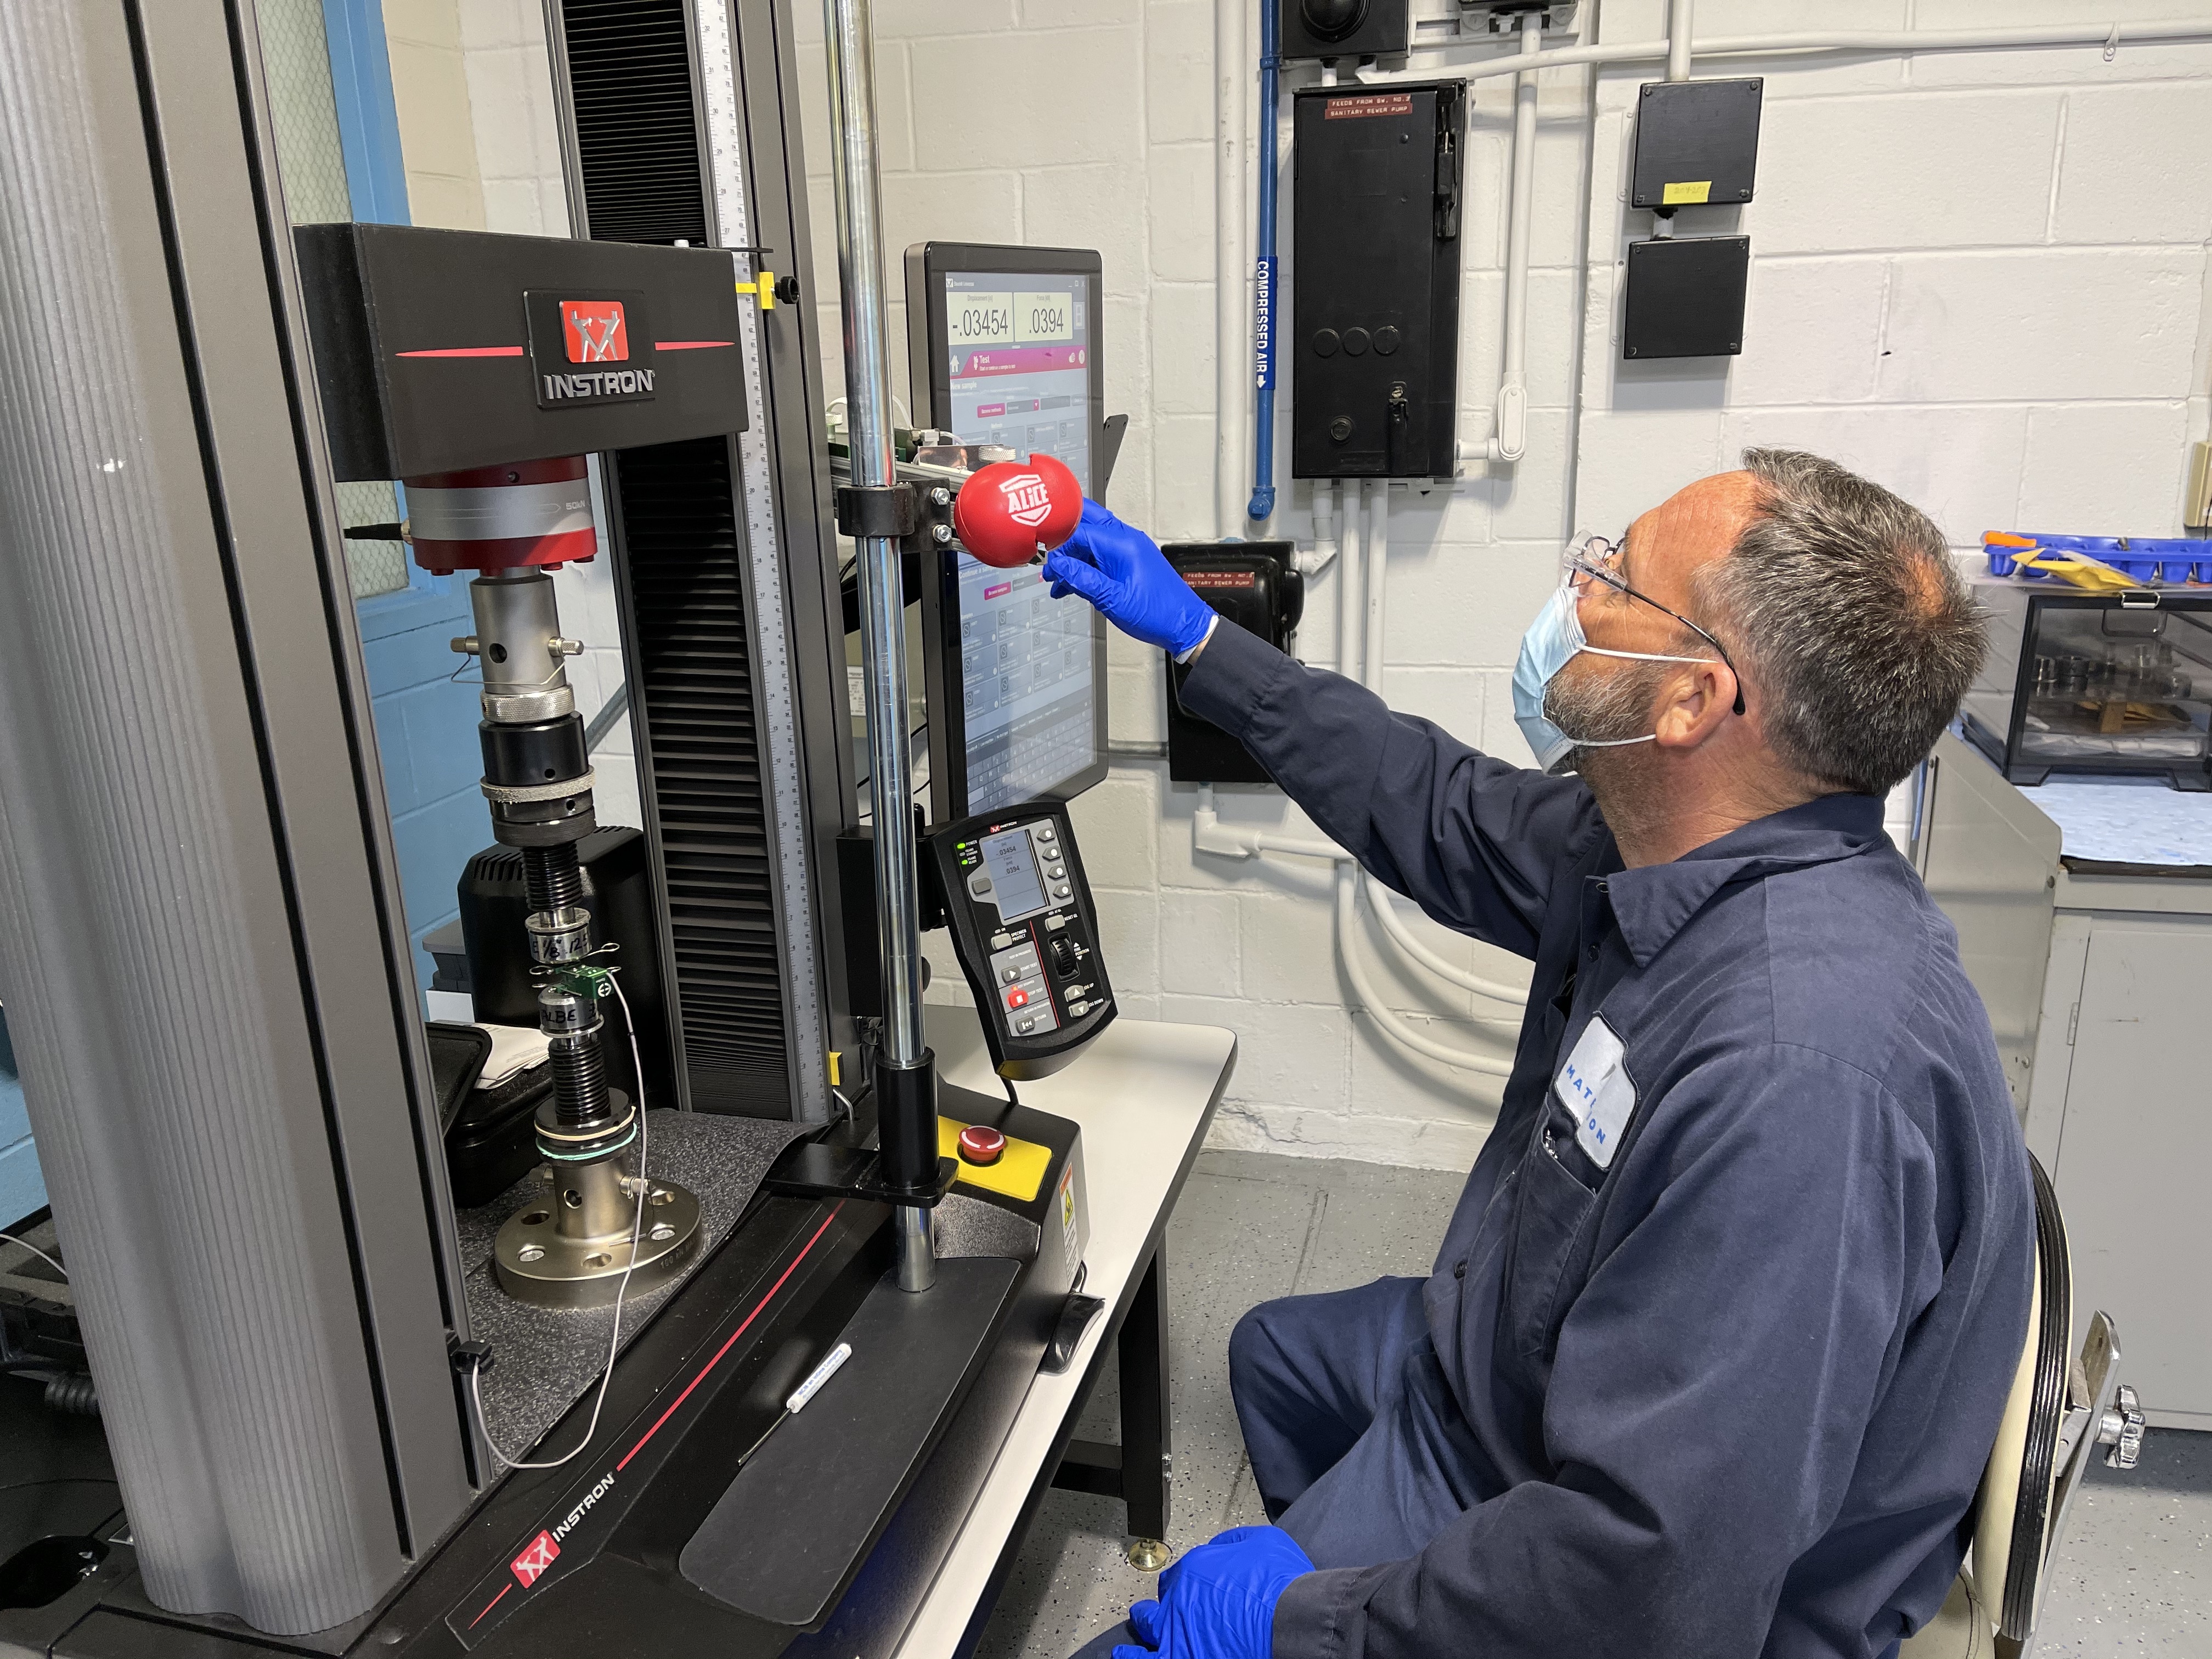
[(2142, 558)]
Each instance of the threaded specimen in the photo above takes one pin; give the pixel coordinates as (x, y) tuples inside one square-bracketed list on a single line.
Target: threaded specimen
[(579, 1081), (552, 877)]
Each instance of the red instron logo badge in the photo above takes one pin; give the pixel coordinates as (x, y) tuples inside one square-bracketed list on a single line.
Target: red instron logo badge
[(595, 330), (538, 1554), (1028, 503)]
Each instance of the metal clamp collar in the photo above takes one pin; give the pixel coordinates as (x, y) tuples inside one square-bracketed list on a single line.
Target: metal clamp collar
[(516, 795), (890, 510)]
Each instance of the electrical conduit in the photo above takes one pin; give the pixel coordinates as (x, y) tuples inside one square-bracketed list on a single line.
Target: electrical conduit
[(1262, 504), (1230, 266), (2109, 36), (1678, 39), (1509, 439), (1374, 565)]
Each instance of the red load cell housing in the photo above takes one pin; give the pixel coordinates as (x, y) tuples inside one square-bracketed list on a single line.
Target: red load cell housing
[(502, 518)]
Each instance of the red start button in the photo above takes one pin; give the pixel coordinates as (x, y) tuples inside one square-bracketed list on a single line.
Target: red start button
[(979, 1144)]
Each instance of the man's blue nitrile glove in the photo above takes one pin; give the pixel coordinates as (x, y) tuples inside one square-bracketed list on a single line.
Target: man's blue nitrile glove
[(1123, 572), (1218, 1601)]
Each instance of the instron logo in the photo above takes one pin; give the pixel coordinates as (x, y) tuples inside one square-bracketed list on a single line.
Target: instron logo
[(536, 1556), (1029, 503), (595, 330)]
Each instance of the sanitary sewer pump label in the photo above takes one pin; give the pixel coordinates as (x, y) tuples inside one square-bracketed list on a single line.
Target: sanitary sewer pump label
[(1367, 104)]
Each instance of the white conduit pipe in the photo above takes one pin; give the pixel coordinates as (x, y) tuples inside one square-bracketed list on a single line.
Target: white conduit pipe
[(1324, 530), (1210, 834), (1509, 437), (1349, 563), (1374, 565), (2109, 36), (1678, 39), (1233, 311), (1385, 1019), (1402, 937)]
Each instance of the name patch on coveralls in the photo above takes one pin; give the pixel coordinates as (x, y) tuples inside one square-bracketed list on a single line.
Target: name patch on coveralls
[(1595, 1085)]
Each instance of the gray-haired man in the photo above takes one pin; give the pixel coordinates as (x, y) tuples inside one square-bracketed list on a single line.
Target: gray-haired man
[(1718, 1338)]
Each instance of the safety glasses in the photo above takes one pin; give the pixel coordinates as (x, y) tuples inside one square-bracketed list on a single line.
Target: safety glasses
[(1589, 558)]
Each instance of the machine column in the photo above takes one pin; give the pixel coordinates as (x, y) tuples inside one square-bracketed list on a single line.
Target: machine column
[(906, 1077)]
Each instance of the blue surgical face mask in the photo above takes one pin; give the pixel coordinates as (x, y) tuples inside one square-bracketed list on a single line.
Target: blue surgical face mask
[(1553, 641)]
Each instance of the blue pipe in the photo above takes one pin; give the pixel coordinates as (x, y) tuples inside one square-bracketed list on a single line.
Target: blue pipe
[(1263, 292)]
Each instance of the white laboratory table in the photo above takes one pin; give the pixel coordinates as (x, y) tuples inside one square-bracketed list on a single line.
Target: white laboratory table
[(1143, 1093)]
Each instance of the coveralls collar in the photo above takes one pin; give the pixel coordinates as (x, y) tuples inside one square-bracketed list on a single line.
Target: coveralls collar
[(1653, 903)]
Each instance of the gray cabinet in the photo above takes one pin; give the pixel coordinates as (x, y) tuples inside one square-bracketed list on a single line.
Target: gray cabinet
[(2121, 1115), (2100, 992)]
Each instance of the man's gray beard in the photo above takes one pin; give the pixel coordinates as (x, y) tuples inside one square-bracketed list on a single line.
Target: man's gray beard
[(1602, 708)]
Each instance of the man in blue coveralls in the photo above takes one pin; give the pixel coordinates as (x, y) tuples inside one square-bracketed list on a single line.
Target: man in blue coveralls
[(1716, 1344)]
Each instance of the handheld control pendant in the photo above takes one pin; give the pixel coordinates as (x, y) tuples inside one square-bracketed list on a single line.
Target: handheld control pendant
[(1026, 934)]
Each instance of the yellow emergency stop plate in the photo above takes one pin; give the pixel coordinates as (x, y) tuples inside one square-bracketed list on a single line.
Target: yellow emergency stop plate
[(1019, 1173)]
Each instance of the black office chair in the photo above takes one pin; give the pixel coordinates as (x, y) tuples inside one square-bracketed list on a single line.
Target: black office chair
[(2058, 1413)]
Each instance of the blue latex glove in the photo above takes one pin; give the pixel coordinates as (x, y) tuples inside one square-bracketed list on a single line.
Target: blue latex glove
[(1123, 571), (1218, 1601)]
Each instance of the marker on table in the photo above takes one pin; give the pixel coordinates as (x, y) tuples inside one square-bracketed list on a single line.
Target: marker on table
[(805, 1391)]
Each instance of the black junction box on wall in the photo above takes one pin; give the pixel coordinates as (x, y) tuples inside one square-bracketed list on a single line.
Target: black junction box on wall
[(1697, 143), (1686, 297), (1374, 336), (1333, 29), (1257, 586)]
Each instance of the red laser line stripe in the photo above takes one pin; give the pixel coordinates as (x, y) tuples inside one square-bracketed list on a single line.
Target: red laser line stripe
[(725, 1348), (489, 1605), (465, 351), (689, 345)]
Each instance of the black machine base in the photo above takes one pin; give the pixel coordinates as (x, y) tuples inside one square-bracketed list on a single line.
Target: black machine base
[(663, 1538)]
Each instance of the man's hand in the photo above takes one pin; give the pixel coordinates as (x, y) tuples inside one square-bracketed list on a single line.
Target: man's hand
[(1123, 571), (1218, 1601)]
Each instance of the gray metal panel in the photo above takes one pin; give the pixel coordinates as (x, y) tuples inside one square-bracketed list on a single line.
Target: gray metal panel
[(1990, 859), (767, 85), (206, 996), (783, 779), (2137, 1141), (296, 610)]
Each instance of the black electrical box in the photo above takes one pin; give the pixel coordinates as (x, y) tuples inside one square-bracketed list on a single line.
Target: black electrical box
[(1686, 297), (1697, 143), (441, 351), (1333, 29), (1257, 586), (1375, 282)]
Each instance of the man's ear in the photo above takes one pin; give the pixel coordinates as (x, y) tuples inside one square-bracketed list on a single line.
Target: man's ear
[(1692, 704)]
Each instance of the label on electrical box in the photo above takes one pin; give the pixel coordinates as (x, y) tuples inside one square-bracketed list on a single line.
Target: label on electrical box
[(1202, 580), (1693, 192), (1367, 104)]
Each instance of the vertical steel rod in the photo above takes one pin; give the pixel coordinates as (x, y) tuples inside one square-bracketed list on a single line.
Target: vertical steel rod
[(883, 629)]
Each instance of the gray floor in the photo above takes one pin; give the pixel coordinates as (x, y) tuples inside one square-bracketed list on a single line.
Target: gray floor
[(2133, 1576)]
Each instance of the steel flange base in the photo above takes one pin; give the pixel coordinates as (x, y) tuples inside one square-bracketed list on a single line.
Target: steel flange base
[(538, 1263)]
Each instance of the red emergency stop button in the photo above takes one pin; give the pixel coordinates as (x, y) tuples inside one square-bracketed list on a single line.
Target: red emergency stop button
[(979, 1144), (1018, 998)]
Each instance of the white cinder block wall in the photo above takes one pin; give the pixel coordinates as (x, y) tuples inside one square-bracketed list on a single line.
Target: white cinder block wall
[(1980, 278)]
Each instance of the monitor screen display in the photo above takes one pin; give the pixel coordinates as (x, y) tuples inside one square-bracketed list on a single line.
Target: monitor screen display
[(1018, 354), (1016, 887), (1019, 360), (1027, 680)]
